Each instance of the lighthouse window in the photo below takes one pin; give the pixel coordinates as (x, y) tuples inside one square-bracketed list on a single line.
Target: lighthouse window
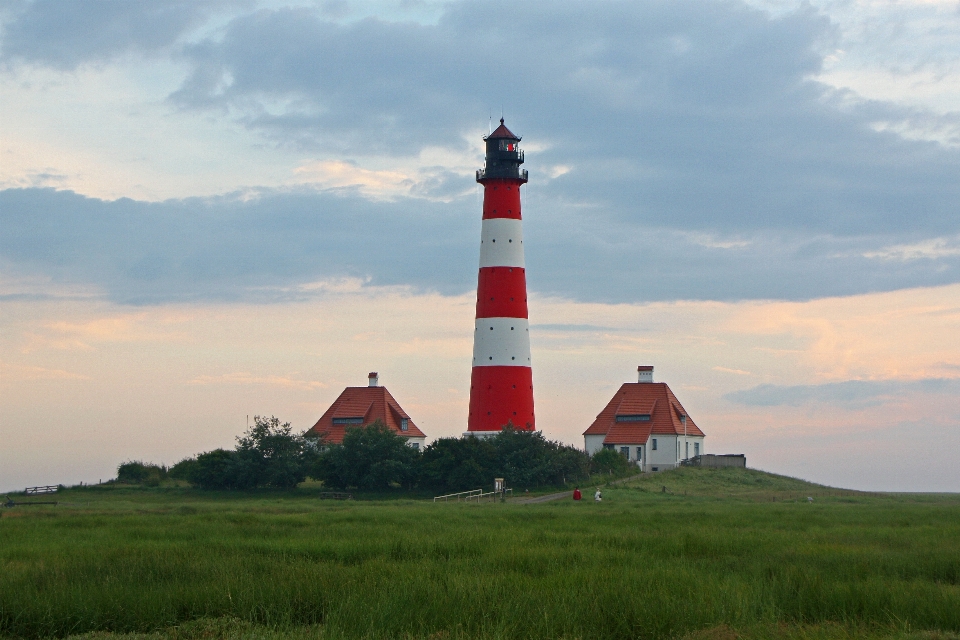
[(508, 145)]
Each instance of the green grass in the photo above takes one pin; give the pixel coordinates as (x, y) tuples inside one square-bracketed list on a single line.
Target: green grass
[(721, 554)]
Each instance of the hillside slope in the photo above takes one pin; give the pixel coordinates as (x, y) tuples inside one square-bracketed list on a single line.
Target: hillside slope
[(751, 484)]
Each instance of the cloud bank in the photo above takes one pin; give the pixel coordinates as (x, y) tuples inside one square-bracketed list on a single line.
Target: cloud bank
[(678, 150)]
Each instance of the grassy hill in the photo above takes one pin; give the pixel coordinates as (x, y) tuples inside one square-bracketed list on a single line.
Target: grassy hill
[(722, 554), (750, 484)]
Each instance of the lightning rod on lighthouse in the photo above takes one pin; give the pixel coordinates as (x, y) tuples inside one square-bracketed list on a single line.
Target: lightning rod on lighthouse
[(501, 384)]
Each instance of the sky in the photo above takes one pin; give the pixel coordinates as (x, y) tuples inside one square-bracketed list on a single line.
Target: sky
[(215, 210)]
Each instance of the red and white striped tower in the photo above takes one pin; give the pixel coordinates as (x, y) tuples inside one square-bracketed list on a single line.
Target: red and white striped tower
[(501, 385)]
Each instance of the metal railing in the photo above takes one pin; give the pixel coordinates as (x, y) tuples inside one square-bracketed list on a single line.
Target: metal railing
[(492, 495), (522, 175), (335, 495), (463, 495), (50, 488)]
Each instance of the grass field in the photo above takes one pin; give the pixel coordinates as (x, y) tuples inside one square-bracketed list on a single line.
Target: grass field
[(683, 554)]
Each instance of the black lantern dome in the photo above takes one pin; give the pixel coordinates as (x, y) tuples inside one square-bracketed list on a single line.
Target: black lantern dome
[(503, 158)]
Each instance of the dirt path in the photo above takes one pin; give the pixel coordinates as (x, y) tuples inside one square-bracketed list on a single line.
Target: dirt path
[(565, 494)]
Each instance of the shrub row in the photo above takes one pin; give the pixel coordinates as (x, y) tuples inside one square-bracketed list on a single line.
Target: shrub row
[(375, 458)]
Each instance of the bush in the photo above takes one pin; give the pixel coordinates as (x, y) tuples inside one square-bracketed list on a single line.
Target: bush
[(457, 464), (214, 470), (137, 472), (372, 457), (523, 458), (183, 470), (609, 461), (267, 455)]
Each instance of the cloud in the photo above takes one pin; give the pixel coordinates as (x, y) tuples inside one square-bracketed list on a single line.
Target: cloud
[(850, 393), (13, 372), (247, 378), (739, 372), (65, 35), (678, 150), (687, 114), (926, 250), (272, 245)]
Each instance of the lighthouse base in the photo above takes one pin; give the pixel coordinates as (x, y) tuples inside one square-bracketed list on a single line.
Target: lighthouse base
[(500, 396), (480, 434)]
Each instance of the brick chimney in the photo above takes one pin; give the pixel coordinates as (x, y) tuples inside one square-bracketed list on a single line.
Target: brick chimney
[(645, 373), (372, 379)]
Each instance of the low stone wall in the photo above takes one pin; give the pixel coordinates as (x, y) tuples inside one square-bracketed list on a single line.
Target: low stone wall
[(715, 461)]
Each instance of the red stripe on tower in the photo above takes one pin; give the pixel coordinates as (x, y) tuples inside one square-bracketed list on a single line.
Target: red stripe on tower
[(501, 385)]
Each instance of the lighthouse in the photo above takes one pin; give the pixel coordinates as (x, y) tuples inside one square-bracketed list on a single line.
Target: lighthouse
[(501, 383)]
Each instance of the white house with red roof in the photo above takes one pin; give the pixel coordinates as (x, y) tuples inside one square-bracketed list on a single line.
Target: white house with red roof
[(645, 422), (362, 406)]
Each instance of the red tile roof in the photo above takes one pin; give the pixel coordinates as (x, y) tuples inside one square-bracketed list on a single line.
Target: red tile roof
[(628, 433), (502, 132), (641, 398), (369, 404)]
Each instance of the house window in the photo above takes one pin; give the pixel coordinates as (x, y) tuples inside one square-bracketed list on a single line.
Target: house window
[(654, 444), (348, 421), (636, 417), (639, 453), (625, 451), (686, 453), (608, 446), (415, 445), (696, 448), (403, 424)]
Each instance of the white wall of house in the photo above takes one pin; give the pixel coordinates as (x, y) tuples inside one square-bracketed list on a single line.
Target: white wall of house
[(417, 443), (665, 455), (694, 444), (592, 444), (632, 452), (670, 450)]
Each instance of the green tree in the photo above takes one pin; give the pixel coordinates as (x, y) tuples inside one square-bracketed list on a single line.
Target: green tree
[(215, 470), (269, 454), (523, 458), (609, 461), (372, 457), (184, 469), (137, 472), (527, 459), (458, 464)]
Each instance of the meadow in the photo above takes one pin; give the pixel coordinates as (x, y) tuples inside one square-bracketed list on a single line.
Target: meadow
[(691, 553)]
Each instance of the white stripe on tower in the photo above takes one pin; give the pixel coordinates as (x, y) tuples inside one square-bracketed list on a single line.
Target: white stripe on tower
[(501, 342), (501, 243)]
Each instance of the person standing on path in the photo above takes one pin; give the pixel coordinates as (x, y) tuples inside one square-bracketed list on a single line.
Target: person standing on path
[(576, 494)]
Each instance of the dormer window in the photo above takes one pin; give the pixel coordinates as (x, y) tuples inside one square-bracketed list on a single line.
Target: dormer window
[(348, 421), (636, 417), (404, 424)]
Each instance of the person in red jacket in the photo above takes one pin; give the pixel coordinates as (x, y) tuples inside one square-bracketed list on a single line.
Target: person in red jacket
[(576, 493)]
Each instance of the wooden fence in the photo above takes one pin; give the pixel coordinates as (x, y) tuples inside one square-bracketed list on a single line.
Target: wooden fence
[(50, 488)]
